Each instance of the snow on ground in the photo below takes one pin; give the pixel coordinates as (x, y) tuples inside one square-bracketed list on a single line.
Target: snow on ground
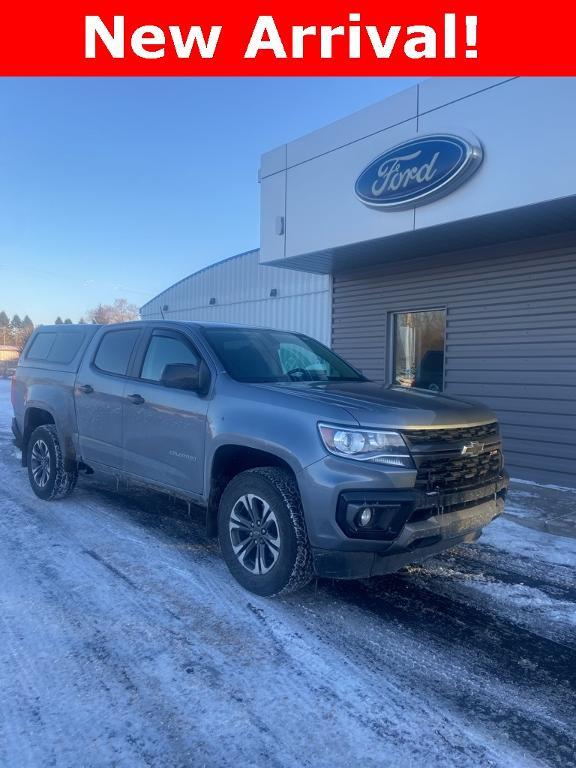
[(544, 485), (125, 642), (528, 543)]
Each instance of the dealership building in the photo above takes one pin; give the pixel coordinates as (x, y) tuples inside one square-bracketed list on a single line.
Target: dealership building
[(453, 262), (240, 289), (443, 220)]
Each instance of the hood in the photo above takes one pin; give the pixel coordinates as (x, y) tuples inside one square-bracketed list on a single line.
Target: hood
[(379, 405)]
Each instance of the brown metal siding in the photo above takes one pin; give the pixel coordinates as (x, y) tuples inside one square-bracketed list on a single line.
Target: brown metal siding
[(510, 338)]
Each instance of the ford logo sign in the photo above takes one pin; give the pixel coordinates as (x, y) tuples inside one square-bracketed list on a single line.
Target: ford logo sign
[(418, 171)]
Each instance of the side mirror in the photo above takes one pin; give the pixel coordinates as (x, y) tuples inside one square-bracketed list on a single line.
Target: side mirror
[(194, 378)]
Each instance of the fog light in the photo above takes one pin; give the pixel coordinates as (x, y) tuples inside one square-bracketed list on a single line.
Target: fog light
[(365, 516)]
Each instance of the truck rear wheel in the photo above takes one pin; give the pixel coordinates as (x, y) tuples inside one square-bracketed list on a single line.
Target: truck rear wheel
[(262, 532), (48, 478)]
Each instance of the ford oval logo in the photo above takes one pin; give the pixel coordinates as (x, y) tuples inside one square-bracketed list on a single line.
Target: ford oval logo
[(418, 171)]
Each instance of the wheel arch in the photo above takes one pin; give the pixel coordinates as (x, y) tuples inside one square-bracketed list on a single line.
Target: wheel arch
[(36, 415), (231, 459)]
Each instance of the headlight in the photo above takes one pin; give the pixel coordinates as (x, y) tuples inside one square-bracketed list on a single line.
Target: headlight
[(366, 445)]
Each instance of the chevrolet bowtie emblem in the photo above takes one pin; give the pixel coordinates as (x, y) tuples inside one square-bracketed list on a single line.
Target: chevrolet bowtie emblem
[(472, 449)]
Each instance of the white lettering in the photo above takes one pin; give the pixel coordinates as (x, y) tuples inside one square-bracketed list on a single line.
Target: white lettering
[(383, 51), (298, 35), (195, 35), (265, 26), (114, 41), (151, 42), (450, 36), (354, 37), (148, 35), (422, 45), (326, 35)]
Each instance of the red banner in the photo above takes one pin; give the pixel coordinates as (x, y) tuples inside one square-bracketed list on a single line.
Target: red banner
[(462, 37)]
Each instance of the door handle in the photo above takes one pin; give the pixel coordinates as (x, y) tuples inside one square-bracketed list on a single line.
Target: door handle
[(86, 388), (136, 399)]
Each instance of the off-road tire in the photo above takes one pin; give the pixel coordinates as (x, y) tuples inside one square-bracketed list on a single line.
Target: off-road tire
[(60, 482), (293, 568)]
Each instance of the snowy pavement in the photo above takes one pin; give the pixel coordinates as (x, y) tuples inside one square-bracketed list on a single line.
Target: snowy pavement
[(548, 508), (125, 642)]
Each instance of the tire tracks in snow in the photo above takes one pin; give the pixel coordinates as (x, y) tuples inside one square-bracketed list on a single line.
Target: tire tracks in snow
[(126, 641), (494, 660), (208, 622)]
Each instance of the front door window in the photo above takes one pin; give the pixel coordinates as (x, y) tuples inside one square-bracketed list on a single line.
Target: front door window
[(419, 349), (165, 350)]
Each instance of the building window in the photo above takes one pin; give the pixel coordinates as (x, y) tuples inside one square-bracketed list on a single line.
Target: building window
[(418, 352)]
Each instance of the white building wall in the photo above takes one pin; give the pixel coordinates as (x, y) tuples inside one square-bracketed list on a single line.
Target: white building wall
[(309, 183), (241, 288)]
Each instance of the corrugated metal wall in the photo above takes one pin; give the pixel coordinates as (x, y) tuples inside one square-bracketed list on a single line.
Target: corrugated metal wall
[(510, 338), (241, 288)]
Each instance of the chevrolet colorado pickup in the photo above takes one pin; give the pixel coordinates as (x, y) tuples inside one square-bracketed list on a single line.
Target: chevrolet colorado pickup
[(301, 464)]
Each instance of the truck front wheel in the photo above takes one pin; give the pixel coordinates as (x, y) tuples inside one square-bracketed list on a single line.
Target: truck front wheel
[(262, 532), (48, 478)]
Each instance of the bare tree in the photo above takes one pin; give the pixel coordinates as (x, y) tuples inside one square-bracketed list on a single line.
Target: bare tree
[(23, 333), (119, 312)]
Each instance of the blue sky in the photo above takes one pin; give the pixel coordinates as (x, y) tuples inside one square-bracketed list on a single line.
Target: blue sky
[(119, 187)]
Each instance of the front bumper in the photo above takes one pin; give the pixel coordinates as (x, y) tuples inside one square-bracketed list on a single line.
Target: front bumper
[(417, 541), (424, 523)]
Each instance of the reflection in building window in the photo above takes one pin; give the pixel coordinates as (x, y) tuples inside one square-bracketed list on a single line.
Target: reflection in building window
[(419, 349)]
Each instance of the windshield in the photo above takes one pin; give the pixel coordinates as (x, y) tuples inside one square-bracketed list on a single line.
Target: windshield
[(254, 355)]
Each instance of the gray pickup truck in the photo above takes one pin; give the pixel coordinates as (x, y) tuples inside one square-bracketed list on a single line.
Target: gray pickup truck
[(302, 465)]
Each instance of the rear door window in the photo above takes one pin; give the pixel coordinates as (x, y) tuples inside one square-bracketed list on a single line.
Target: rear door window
[(115, 351)]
